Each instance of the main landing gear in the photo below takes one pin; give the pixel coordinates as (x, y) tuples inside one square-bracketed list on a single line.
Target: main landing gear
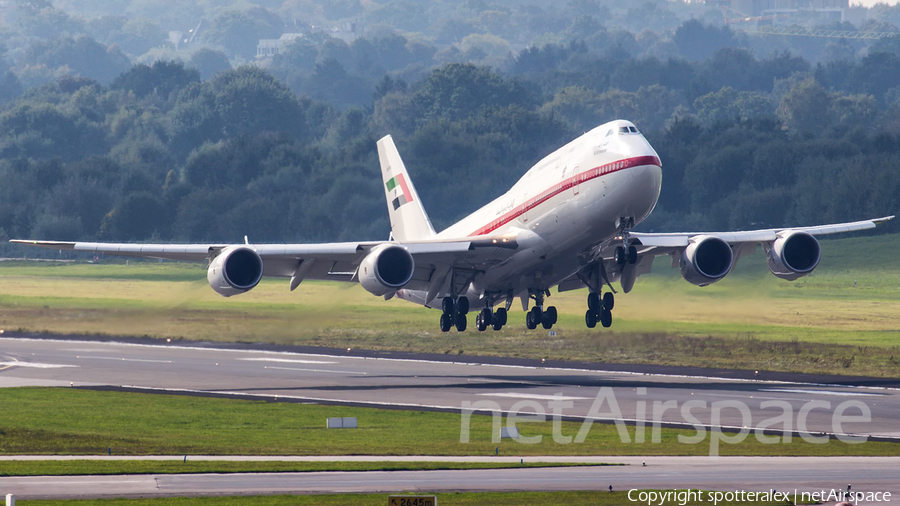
[(455, 312), (539, 316), (599, 309), (487, 318)]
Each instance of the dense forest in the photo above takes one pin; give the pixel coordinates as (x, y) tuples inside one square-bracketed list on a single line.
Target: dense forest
[(99, 144)]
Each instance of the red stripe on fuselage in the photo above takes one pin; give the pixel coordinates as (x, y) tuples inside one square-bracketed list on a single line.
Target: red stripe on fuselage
[(564, 185)]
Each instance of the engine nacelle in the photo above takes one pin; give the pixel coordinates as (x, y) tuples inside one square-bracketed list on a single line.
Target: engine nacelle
[(386, 269), (235, 270), (794, 254), (706, 260)]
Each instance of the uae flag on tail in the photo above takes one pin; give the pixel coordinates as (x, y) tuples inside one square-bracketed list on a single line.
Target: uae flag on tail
[(398, 185)]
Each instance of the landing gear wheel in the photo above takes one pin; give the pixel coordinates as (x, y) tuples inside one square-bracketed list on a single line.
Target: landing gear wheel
[(546, 322), (532, 318), (486, 316), (594, 302), (446, 323), (632, 255), (606, 318), (590, 319), (447, 305), (499, 318), (461, 322), (479, 323), (462, 305), (609, 301), (496, 326), (621, 256), (551, 314)]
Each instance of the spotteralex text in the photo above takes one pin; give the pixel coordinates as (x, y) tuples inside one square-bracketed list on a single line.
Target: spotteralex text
[(685, 496)]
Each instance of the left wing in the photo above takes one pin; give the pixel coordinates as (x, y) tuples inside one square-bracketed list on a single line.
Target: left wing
[(706, 257)]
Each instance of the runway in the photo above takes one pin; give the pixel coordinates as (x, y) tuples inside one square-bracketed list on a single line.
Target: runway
[(734, 400), (423, 383)]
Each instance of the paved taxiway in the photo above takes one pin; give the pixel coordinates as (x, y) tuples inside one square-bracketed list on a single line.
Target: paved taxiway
[(430, 384), (750, 474)]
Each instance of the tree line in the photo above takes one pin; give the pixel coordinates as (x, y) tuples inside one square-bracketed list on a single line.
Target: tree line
[(161, 154)]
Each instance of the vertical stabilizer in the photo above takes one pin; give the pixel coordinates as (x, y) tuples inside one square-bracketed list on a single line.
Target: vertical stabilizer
[(408, 219)]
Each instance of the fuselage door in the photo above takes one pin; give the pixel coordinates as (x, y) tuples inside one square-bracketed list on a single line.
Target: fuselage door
[(575, 180)]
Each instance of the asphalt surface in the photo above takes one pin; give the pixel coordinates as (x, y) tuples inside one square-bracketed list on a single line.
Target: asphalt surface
[(422, 383), (735, 400)]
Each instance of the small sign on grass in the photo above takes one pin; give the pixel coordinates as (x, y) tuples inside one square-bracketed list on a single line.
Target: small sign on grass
[(412, 500)]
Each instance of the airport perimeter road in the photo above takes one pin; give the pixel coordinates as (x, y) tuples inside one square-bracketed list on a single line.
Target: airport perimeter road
[(748, 474), (372, 380)]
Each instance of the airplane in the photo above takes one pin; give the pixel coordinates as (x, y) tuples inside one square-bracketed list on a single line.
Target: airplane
[(567, 223)]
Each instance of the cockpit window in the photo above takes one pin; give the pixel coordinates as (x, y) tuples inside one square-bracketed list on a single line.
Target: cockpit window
[(633, 130), (609, 133), (623, 130)]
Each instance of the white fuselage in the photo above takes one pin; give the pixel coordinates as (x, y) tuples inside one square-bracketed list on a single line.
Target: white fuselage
[(568, 203)]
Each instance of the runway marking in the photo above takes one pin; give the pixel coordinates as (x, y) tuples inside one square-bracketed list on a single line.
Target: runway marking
[(36, 365), (539, 397), (127, 359), (820, 392), (287, 361), (8, 366), (314, 370)]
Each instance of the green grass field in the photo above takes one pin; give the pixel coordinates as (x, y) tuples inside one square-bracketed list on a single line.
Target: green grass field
[(444, 499), (842, 319), (86, 422), (113, 466)]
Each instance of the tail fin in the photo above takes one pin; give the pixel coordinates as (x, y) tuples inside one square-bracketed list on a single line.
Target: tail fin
[(408, 219)]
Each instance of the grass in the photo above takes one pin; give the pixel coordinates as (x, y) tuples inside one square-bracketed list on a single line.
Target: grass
[(444, 499), (844, 318), (109, 467), (87, 422)]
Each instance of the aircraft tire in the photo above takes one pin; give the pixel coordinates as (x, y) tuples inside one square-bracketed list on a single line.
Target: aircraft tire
[(606, 318), (632, 255), (593, 301), (445, 322), (487, 316), (479, 323), (462, 305), (620, 256), (609, 300), (461, 323), (531, 320), (447, 305), (552, 314), (496, 325), (500, 317), (590, 319)]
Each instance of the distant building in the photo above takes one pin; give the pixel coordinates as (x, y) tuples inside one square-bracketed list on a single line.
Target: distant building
[(269, 47), (835, 9)]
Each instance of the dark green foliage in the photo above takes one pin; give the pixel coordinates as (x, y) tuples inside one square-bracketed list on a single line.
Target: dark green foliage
[(161, 79), (83, 55)]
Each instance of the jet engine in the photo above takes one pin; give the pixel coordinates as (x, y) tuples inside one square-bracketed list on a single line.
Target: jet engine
[(794, 254), (235, 270), (706, 260), (386, 269)]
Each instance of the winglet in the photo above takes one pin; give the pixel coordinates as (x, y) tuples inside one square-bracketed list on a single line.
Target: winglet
[(408, 219)]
